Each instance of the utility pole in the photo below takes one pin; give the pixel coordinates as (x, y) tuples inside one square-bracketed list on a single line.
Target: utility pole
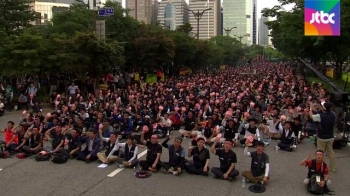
[(94, 15), (228, 31), (240, 38), (198, 15)]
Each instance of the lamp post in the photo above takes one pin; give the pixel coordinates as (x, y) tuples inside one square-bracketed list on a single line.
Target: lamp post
[(240, 38), (228, 31), (198, 15)]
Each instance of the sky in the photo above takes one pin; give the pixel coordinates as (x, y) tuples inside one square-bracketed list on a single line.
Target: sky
[(261, 4)]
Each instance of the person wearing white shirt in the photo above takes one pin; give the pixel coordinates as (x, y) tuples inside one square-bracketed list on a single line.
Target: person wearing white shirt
[(112, 149), (130, 153), (274, 127), (260, 166), (164, 124)]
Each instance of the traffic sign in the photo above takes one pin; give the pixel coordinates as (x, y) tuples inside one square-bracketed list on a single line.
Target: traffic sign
[(106, 11)]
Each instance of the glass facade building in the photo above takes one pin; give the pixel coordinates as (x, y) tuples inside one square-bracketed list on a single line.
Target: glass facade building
[(173, 13), (243, 15)]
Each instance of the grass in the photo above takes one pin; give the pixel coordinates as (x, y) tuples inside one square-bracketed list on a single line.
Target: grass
[(318, 80)]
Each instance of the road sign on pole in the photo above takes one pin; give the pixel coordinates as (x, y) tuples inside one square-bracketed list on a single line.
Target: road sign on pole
[(106, 11)]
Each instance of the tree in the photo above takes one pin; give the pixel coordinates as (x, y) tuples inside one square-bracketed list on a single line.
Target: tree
[(185, 28), (231, 49), (22, 54), (78, 18), (287, 33), (83, 53), (207, 54), (185, 48), (16, 15), (152, 47)]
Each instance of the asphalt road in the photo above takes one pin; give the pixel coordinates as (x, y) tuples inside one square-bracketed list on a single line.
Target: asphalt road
[(28, 177)]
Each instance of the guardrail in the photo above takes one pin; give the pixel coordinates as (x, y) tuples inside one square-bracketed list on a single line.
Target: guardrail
[(322, 77)]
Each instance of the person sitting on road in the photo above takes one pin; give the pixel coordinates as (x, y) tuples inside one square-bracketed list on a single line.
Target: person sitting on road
[(56, 137), (11, 138), (288, 139), (317, 167), (35, 142), (164, 125), (209, 130), (154, 151), (260, 165), (74, 143), (273, 128), (177, 155), (22, 135), (190, 123), (130, 153), (92, 147), (201, 159), (112, 150), (227, 158), (230, 131), (251, 129), (125, 126)]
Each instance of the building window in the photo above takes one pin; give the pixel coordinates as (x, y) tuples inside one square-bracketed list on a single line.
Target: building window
[(247, 16)]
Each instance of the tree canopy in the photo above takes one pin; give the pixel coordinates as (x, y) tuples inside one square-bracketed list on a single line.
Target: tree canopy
[(67, 43), (287, 32)]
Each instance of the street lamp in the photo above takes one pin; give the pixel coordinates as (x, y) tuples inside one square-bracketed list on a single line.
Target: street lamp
[(228, 31), (198, 15), (241, 37)]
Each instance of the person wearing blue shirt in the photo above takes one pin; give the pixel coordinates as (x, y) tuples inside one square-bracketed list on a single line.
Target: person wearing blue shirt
[(126, 126), (177, 155)]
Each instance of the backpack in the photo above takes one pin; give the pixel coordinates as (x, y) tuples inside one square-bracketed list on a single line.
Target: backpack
[(314, 188), (40, 157), (60, 158)]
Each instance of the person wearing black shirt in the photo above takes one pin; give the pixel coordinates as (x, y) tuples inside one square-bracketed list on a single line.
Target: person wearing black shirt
[(201, 158), (147, 128), (190, 128), (176, 156), (230, 131), (55, 135), (227, 158), (74, 144), (154, 151), (35, 142), (79, 126)]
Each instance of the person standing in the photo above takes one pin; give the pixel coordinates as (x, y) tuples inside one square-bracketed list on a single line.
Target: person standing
[(260, 166), (325, 133), (9, 96)]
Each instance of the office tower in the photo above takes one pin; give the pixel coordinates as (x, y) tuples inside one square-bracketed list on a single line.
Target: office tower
[(143, 10), (173, 13), (241, 14), (264, 38), (210, 23), (47, 8)]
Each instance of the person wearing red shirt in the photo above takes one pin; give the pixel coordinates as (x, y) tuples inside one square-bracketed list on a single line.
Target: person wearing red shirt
[(317, 166), (11, 138)]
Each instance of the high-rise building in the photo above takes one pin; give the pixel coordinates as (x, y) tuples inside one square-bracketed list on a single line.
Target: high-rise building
[(241, 14), (210, 23), (143, 10), (47, 8), (264, 38), (173, 13)]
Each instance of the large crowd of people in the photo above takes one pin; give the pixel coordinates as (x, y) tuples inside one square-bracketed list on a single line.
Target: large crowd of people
[(245, 106)]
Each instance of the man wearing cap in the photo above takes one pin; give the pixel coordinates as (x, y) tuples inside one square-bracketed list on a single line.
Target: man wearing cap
[(251, 130), (227, 158), (130, 152), (177, 155), (288, 139), (125, 126), (154, 151), (92, 147), (317, 166), (260, 165), (201, 158), (325, 134), (112, 150), (230, 130)]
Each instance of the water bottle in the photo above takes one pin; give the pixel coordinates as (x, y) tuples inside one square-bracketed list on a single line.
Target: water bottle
[(134, 171), (243, 182), (276, 149), (168, 133), (189, 144)]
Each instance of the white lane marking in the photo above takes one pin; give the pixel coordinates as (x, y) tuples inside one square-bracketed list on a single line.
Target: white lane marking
[(115, 172)]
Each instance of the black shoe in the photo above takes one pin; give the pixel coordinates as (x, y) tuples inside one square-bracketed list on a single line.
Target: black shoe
[(229, 179), (204, 174), (87, 161), (216, 177)]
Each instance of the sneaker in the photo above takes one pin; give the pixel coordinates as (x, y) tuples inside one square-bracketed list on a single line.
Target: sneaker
[(175, 173)]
